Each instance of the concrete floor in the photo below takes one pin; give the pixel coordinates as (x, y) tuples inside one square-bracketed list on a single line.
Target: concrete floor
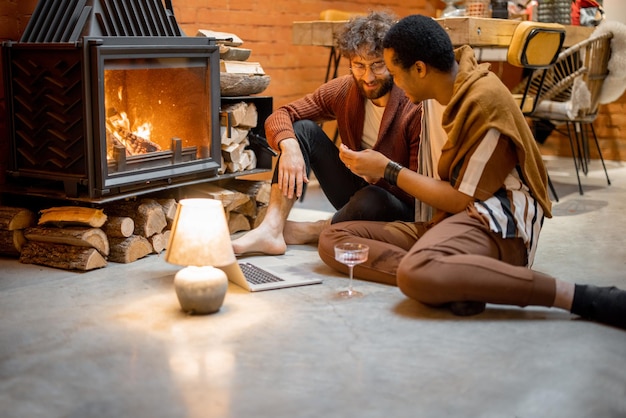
[(114, 343)]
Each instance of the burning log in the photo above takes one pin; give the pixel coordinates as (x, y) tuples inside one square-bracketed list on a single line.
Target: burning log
[(118, 127)]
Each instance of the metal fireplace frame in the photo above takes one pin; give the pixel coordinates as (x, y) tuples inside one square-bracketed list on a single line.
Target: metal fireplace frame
[(90, 178), (66, 158)]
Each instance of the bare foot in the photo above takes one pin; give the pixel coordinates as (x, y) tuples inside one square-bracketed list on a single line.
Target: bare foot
[(304, 232), (260, 240)]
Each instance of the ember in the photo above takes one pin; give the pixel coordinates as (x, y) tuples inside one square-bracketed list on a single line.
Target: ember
[(119, 133)]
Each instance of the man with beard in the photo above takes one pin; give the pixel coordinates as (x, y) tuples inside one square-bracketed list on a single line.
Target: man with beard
[(371, 113)]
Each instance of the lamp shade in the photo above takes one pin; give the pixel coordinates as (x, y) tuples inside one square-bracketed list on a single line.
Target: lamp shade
[(200, 235)]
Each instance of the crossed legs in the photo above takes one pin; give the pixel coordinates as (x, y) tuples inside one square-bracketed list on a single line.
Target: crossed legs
[(457, 260)]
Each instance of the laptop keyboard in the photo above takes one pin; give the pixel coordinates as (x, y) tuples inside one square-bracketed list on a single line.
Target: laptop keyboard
[(256, 275)]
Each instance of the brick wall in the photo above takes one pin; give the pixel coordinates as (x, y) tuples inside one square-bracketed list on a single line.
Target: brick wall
[(265, 27)]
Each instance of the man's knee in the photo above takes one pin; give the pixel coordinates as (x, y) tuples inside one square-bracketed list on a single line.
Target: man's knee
[(305, 129)]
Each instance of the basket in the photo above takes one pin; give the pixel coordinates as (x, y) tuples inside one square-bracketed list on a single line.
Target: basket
[(242, 84)]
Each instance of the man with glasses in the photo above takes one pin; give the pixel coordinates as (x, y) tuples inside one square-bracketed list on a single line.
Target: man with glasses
[(371, 113), (491, 195)]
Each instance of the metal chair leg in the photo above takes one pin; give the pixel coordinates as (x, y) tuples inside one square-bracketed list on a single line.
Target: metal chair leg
[(556, 196), (595, 138), (574, 157)]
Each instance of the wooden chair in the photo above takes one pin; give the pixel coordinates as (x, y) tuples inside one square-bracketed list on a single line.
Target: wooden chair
[(567, 94), (535, 47)]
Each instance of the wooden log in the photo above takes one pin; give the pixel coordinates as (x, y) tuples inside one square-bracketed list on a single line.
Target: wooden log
[(127, 250), (61, 256), (158, 242), (11, 242), (147, 214), (169, 208), (72, 215), (230, 198), (76, 236), (242, 115), (258, 190), (260, 214), (238, 222), (12, 218), (166, 237), (118, 126), (119, 226), (249, 208)]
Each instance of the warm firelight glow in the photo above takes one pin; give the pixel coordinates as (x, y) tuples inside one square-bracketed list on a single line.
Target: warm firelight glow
[(144, 130), (135, 141)]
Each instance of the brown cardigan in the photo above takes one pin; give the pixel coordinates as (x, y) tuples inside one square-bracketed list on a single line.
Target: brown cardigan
[(340, 100)]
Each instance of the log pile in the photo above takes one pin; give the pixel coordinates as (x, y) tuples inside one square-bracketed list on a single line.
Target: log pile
[(151, 220), (244, 201), (67, 237), (238, 76), (81, 238), (13, 221), (236, 121)]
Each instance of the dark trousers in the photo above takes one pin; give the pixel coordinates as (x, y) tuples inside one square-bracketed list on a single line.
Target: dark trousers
[(350, 195)]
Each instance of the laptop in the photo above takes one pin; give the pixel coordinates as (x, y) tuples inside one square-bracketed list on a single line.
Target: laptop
[(255, 279)]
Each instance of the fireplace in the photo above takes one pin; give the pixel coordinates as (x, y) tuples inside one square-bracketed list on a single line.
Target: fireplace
[(107, 98)]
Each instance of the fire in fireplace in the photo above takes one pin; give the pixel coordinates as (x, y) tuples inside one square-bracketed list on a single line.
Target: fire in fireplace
[(108, 98)]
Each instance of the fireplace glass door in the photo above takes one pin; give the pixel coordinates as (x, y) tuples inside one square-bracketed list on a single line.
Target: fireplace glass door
[(156, 112), (109, 117)]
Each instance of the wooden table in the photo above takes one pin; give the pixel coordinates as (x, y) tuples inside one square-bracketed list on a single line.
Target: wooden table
[(473, 31)]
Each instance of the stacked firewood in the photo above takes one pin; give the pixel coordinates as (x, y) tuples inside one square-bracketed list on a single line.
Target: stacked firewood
[(81, 238), (13, 221), (244, 201), (152, 220), (236, 121), (69, 238), (85, 238)]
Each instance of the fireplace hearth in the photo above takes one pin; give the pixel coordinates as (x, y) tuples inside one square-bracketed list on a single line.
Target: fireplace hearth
[(107, 99)]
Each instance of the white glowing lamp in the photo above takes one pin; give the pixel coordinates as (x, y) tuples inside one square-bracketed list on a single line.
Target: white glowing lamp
[(200, 240)]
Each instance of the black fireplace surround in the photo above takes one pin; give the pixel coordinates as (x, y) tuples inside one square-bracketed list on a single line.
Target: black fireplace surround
[(107, 98)]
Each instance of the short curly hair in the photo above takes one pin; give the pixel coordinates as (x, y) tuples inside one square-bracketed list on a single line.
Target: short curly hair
[(420, 38), (363, 35)]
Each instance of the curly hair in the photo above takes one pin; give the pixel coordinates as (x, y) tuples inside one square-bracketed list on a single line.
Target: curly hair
[(363, 35), (420, 38)]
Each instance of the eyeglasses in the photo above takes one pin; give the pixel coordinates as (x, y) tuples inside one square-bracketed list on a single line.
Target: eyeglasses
[(378, 68)]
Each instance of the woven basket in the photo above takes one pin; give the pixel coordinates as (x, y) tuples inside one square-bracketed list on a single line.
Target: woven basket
[(242, 84)]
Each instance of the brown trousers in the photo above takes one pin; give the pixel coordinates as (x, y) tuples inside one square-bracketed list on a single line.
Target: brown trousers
[(458, 259)]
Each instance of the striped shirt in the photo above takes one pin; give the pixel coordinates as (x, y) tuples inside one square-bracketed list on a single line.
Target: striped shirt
[(491, 168)]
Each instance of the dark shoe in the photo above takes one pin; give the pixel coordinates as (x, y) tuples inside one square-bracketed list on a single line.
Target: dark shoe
[(466, 308), (601, 304)]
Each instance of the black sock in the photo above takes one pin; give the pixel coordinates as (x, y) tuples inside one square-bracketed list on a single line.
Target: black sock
[(601, 304), (466, 308)]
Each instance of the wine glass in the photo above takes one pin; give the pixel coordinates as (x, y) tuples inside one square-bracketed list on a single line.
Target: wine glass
[(351, 254)]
